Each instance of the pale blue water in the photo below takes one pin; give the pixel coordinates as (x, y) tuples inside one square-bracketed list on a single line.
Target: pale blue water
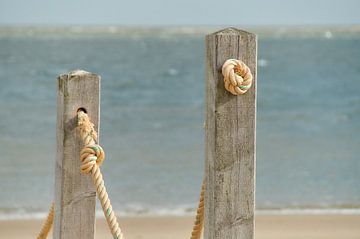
[(152, 114)]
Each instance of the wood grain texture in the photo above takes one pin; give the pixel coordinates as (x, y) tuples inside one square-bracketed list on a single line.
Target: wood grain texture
[(74, 192), (229, 140)]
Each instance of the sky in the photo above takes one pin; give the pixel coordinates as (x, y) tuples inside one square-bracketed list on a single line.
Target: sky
[(180, 12)]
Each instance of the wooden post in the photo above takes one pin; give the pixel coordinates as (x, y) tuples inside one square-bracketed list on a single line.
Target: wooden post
[(74, 193), (229, 140)]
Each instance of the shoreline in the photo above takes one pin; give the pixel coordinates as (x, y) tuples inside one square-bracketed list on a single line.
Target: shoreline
[(179, 227), (21, 215)]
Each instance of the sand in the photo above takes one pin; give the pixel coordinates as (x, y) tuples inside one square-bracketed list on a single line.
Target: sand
[(267, 227)]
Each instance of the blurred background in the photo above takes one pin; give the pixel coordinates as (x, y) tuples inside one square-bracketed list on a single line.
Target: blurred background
[(151, 56)]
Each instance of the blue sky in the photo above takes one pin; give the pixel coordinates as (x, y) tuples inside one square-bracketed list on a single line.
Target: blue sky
[(180, 12)]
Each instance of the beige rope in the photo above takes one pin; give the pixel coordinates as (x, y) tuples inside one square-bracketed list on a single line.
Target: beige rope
[(237, 76), (91, 156), (237, 79), (199, 221), (47, 224)]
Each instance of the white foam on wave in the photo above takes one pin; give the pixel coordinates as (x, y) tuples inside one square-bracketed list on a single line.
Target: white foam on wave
[(185, 211), (320, 211), (20, 215), (263, 62), (328, 34)]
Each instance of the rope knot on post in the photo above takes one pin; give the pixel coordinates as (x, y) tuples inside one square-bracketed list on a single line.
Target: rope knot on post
[(237, 76), (90, 156)]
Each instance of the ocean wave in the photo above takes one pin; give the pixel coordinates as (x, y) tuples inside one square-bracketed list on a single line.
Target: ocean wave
[(21, 214), (169, 32), (310, 211)]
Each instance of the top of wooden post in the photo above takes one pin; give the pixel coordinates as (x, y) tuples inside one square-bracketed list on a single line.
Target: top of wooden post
[(77, 73), (232, 31)]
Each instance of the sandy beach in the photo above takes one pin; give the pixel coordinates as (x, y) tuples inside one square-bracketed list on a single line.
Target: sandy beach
[(267, 227)]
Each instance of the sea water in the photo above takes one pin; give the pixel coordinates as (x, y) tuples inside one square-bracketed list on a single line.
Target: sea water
[(152, 117)]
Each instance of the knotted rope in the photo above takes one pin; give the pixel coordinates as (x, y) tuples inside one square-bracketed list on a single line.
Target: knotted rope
[(237, 76), (237, 79), (92, 156)]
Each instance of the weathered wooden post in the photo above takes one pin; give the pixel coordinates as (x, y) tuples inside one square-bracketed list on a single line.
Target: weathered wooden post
[(230, 140), (74, 192)]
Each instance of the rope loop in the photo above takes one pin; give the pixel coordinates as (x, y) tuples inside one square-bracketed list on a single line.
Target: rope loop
[(91, 155), (237, 76)]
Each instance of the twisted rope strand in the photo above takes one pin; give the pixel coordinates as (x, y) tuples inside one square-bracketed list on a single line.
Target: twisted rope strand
[(92, 156), (237, 76), (47, 224), (199, 220)]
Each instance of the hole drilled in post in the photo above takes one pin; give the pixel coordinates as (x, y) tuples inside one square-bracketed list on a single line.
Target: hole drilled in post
[(82, 109)]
